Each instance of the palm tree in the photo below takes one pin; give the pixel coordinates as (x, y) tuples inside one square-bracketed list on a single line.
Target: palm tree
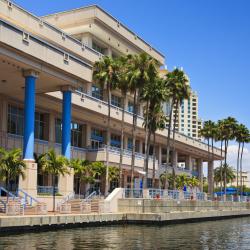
[(11, 166), (55, 165), (176, 83), (40, 160), (157, 121), (124, 87), (245, 139), (220, 137), (105, 73), (141, 68), (154, 118), (113, 173), (226, 171), (228, 127), (193, 182), (181, 181), (240, 133), (97, 170), (81, 170), (210, 131)]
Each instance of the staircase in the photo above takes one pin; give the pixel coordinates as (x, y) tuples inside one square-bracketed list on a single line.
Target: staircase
[(19, 203), (92, 204)]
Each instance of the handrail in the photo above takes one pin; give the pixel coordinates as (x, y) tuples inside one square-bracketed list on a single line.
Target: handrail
[(26, 196), (90, 196), (68, 197), (7, 192), (4, 204)]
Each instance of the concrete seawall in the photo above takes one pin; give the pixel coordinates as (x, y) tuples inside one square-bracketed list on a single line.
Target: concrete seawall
[(50, 222)]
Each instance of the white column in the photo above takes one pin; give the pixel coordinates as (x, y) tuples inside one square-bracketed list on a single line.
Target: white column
[(88, 135), (88, 88), (125, 143), (200, 173), (3, 115), (159, 155), (140, 146), (188, 162), (52, 137), (175, 158), (210, 178)]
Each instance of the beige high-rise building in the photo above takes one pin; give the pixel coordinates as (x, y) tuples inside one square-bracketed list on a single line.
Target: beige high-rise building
[(189, 122)]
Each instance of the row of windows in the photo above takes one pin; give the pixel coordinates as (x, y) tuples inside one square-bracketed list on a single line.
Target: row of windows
[(16, 126)]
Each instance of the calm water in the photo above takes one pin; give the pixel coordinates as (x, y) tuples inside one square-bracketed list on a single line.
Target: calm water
[(227, 234)]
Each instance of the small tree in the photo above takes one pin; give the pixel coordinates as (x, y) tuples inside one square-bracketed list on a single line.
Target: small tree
[(55, 165), (81, 170), (181, 181), (193, 182), (11, 166), (113, 173)]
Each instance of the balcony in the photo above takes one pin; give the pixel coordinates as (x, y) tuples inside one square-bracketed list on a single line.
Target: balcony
[(10, 141), (178, 170), (114, 157)]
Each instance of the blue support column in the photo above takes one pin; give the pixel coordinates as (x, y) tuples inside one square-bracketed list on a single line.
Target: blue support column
[(66, 124), (29, 117)]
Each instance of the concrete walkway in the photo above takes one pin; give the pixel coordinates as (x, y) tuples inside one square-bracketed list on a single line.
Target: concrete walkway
[(51, 221)]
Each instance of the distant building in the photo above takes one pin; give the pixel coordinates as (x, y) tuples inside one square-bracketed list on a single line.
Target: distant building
[(245, 179)]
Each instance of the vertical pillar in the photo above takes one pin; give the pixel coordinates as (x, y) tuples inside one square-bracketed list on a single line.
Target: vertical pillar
[(200, 173), (159, 155), (66, 123), (175, 158), (29, 183), (66, 182), (140, 146), (3, 115), (29, 115), (88, 135), (52, 128), (210, 178), (125, 143), (188, 163), (89, 88)]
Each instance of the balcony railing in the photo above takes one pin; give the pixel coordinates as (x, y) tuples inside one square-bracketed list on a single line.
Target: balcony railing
[(46, 190), (11, 141)]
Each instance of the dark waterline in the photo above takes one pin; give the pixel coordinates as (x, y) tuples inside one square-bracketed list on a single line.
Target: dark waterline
[(226, 234)]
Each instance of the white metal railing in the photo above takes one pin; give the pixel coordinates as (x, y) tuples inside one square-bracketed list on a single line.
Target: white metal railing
[(67, 198)]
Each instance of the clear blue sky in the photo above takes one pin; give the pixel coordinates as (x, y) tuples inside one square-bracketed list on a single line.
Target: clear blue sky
[(209, 39)]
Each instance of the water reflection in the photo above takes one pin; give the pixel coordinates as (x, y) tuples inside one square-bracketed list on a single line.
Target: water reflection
[(227, 234)]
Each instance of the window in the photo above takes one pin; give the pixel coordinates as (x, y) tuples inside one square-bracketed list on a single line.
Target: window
[(96, 138), (15, 120), (116, 101), (115, 141), (97, 92), (98, 48), (130, 107), (58, 130), (76, 135), (40, 126), (130, 143)]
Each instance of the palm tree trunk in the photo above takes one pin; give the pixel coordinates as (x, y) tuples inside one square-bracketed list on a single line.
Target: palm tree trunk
[(241, 155), (108, 145), (169, 132), (145, 183), (146, 138), (54, 192), (237, 171), (225, 172), (221, 173), (122, 140), (153, 179), (173, 148), (79, 187), (134, 139)]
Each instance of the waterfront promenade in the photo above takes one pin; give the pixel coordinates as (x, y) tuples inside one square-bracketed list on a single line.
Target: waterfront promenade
[(136, 211)]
